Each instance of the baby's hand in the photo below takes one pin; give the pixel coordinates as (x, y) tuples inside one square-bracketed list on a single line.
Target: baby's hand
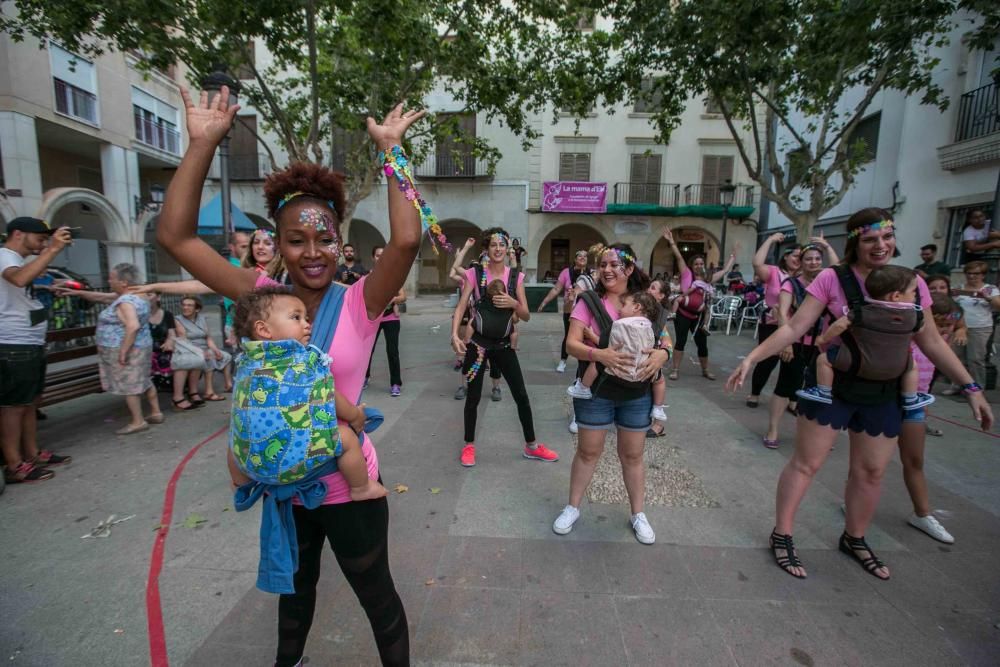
[(590, 335), (840, 326), (358, 423)]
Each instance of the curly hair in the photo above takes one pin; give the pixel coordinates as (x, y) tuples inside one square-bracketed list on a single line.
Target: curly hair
[(651, 308), (319, 184), (255, 306)]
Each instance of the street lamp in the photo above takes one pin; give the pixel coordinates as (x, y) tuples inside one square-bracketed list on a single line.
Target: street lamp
[(727, 192), (212, 84)]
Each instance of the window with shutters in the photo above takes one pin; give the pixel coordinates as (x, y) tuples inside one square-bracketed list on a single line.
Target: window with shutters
[(574, 167), (867, 131), (453, 155), (712, 105), (648, 100), (644, 179), (344, 143), (74, 82), (715, 171), (244, 161)]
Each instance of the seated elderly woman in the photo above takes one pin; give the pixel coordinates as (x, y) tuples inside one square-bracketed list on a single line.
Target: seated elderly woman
[(196, 330), (125, 346)]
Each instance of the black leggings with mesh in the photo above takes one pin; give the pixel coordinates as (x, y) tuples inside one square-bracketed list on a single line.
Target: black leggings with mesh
[(357, 533), (504, 360)]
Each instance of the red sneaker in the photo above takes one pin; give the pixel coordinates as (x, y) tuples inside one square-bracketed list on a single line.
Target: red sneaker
[(468, 458), (541, 453)]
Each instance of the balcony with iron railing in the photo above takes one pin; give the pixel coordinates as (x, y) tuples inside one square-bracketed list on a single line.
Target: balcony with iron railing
[(157, 135), (75, 102), (452, 165), (977, 132), (244, 166), (700, 199)]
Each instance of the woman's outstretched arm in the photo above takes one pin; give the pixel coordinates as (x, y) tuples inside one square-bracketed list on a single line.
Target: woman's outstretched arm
[(177, 228), (388, 276)]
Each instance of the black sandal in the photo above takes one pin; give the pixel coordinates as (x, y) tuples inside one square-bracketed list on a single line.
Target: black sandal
[(790, 559), (177, 405), (197, 402), (849, 545)]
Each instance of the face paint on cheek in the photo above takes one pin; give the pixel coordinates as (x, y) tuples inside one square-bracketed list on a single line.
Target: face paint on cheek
[(312, 217)]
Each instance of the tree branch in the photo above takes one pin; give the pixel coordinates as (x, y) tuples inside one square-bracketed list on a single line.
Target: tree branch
[(844, 134), (312, 139), (260, 140), (781, 117), (280, 119)]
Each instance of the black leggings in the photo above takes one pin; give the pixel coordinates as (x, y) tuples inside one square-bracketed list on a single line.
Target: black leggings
[(563, 354), (791, 374), (762, 371), (357, 533), (683, 325), (504, 360), (391, 329)]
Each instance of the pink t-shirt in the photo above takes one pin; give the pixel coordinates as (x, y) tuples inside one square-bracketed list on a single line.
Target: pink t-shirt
[(470, 277), (583, 314), (687, 277), (772, 290), (565, 282), (352, 344), (826, 287)]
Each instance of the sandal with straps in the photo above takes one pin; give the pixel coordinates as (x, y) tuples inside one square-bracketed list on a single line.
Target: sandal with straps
[(790, 559), (850, 546)]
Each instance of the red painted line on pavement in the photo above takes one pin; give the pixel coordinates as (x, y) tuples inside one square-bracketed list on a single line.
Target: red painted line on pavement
[(961, 425), (154, 612)]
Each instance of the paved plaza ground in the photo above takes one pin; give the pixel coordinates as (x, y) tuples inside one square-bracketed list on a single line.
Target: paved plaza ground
[(483, 578)]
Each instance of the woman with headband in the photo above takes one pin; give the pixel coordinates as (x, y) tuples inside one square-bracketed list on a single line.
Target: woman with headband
[(488, 346), (567, 284), (873, 425), (696, 288), (625, 407), (800, 354), (307, 203)]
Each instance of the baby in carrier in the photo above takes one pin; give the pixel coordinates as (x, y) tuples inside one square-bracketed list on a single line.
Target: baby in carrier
[(890, 316), (285, 408), (691, 304), (632, 332)]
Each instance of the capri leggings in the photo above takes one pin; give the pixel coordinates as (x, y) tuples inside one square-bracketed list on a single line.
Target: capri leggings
[(504, 360), (682, 326), (762, 371)]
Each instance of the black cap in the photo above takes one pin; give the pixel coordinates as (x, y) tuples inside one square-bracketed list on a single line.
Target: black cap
[(29, 226)]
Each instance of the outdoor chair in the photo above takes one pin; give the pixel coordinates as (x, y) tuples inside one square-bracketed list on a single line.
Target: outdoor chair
[(725, 308)]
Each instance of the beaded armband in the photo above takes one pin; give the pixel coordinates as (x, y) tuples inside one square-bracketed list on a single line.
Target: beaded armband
[(971, 388), (395, 163)]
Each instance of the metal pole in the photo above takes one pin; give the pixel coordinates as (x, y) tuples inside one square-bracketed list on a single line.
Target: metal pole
[(227, 209), (722, 241)]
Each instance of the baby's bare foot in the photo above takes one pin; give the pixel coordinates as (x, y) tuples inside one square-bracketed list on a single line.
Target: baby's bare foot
[(369, 491)]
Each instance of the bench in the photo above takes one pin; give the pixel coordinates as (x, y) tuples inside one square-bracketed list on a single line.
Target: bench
[(70, 383)]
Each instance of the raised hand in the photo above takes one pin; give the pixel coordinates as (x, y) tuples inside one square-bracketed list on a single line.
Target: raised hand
[(209, 120), (390, 131), (668, 235), (777, 237)]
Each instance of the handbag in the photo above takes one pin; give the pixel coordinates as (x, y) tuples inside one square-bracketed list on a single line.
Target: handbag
[(187, 356)]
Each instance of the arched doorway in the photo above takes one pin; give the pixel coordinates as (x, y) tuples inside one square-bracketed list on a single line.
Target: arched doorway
[(98, 221), (364, 236), (432, 275), (558, 247), (690, 241)]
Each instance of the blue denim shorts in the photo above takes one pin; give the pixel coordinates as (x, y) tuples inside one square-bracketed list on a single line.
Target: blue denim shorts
[(875, 420), (602, 413)]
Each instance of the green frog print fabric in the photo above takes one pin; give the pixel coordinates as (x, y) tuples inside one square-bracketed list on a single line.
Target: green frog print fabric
[(284, 422)]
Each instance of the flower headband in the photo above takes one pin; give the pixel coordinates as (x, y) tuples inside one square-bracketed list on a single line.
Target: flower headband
[(266, 232), (500, 237), (873, 227), (298, 193), (624, 255)]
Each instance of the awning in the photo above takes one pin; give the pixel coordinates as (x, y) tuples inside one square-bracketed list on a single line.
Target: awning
[(696, 211), (210, 218)]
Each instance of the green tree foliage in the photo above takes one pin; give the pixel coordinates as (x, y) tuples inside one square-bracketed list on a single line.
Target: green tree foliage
[(766, 62), (333, 63)]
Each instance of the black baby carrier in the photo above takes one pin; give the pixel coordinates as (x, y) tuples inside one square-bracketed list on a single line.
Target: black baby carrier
[(875, 351), (615, 387), (492, 326)]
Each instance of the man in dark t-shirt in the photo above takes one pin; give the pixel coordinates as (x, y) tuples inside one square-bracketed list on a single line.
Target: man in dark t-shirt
[(351, 270), (930, 267)]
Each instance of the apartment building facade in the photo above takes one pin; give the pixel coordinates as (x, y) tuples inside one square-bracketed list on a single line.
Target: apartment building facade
[(930, 167)]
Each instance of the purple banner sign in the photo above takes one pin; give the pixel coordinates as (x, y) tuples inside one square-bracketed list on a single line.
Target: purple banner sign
[(574, 197)]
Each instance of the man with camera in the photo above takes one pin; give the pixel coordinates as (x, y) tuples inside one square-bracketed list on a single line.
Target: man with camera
[(23, 325)]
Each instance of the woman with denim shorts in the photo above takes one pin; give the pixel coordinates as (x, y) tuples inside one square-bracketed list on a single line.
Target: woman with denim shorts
[(625, 408), (873, 426)]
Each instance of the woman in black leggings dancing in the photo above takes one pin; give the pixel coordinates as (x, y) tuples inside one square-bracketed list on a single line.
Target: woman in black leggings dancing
[(691, 319), (567, 284), (498, 351)]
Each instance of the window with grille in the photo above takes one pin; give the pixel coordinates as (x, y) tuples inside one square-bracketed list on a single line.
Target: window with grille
[(867, 131), (715, 171), (155, 122), (453, 155), (644, 179), (574, 167)]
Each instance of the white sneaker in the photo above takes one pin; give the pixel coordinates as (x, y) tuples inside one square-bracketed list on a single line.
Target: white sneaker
[(564, 522), (573, 427), (643, 531), (579, 390), (932, 527), (561, 368), (659, 413)]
